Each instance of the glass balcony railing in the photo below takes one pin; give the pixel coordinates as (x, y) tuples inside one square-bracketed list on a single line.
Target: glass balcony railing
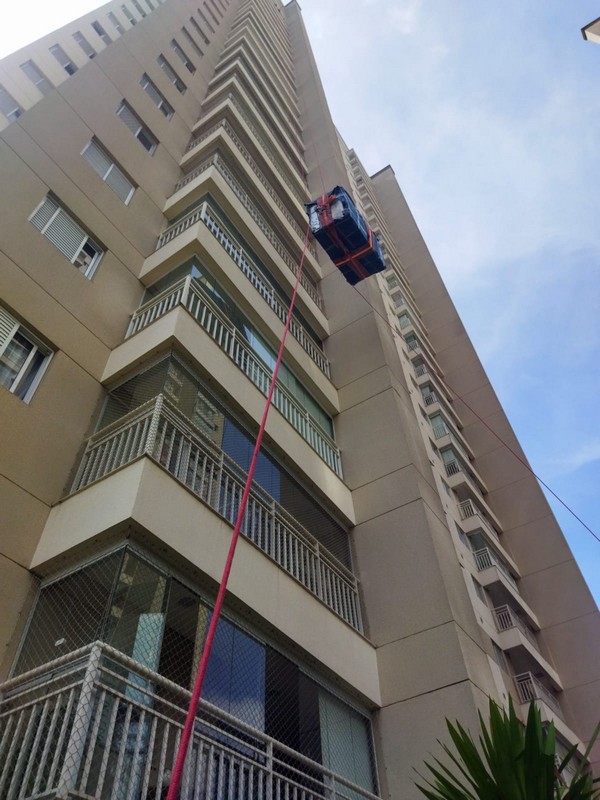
[(156, 429), (98, 724)]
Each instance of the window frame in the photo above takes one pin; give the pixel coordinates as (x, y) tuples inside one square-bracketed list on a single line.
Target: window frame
[(87, 270), (172, 76), (37, 347), (182, 56), (113, 168), (86, 46), (163, 105), (69, 66), (41, 82), (142, 128), (13, 113)]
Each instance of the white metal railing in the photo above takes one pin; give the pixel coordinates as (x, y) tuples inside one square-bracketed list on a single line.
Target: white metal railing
[(218, 327), (221, 165), (172, 296), (468, 509), (267, 152), (202, 213), (452, 468), (421, 370), (486, 558), (529, 688), (157, 430), (430, 399), (506, 618), (97, 724)]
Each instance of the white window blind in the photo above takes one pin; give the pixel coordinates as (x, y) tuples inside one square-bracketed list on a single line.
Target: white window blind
[(110, 173), (66, 235)]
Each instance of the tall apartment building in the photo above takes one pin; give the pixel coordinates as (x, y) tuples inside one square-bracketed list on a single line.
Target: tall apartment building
[(398, 565)]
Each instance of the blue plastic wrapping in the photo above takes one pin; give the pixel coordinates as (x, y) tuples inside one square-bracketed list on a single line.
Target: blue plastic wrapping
[(345, 236)]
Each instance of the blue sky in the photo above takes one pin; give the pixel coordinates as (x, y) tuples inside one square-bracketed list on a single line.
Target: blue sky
[(488, 113)]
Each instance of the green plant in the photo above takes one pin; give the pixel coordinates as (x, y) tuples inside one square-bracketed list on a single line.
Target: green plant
[(512, 762)]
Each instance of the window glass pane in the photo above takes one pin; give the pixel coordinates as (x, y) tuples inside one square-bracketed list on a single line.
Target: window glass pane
[(180, 631), (30, 374), (69, 613), (13, 358), (121, 185), (136, 619), (345, 741)]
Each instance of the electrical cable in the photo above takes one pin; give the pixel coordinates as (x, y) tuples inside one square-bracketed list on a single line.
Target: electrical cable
[(453, 391)]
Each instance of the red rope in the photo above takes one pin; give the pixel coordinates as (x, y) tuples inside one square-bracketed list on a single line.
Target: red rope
[(197, 690)]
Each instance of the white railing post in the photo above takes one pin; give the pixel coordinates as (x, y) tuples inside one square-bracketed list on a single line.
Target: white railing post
[(153, 427), (186, 291), (80, 727), (269, 787)]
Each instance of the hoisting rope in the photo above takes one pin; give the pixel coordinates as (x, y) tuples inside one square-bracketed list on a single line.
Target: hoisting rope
[(197, 690)]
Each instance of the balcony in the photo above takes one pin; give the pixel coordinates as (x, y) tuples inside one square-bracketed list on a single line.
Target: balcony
[(97, 724), (506, 619), (529, 688), (457, 469), (204, 213), (217, 161), (158, 431), (291, 181), (471, 514), (188, 294), (160, 305), (485, 558), (444, 436)]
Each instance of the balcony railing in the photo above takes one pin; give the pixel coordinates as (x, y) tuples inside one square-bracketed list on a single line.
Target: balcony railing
[(506, 619), (430, 399), (221, 165), (486, 558), (97, 724), (157, 430), (200, 214), (529, 688), (177, 294), (468, 509), (421, 370), (195, 140)]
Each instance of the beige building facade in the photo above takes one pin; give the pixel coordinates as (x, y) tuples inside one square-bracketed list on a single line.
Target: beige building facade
[(398, 565)]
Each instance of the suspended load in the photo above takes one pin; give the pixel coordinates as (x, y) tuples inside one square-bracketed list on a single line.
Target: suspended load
[(345, 236)]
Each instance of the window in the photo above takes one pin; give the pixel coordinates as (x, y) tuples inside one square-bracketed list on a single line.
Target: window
[(67, 236), (188, 36), (182, 56), (23, 358), (9, 106), (110, 173), (101, 32), (84, 44), (138, 7), (479, 590), (37, 77), (63, 59), (156, 97), (115, 21), (137, 127), (200, 32), (205, 4), (171, 74), (205, 21), (499, 656), (128, 14)]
